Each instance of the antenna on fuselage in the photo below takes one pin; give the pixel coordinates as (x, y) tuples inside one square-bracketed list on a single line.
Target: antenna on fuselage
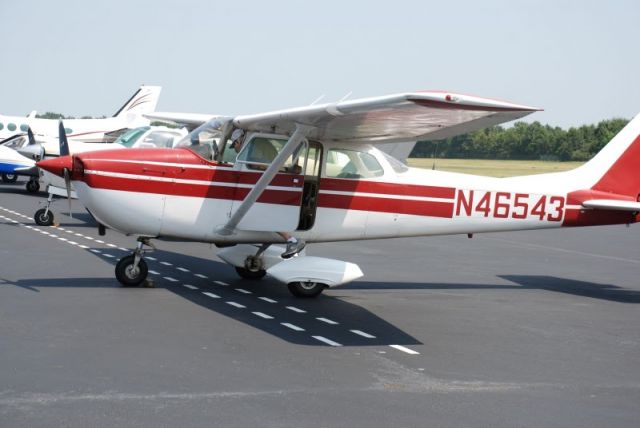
[(317, 100)]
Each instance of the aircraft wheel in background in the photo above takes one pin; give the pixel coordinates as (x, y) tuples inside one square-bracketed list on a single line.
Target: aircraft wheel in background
[(306, 289), (33, 186), (127, 275), (250, 274), (9, 178), (42, 217)]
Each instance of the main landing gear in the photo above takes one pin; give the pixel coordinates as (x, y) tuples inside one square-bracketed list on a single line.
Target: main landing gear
[(9, 178), (253, 265), (33, 185), (132, 270)]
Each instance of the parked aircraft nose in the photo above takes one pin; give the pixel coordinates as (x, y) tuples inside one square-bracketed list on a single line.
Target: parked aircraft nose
[(57, 165)]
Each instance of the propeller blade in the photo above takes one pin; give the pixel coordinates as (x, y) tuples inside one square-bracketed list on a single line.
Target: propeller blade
[(62, 138), (67, 185), (32, 138)]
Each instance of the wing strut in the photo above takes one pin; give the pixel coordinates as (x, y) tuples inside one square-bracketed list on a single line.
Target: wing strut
[(291, 145)]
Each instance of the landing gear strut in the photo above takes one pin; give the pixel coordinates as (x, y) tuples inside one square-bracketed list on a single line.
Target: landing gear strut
[(132, 270)]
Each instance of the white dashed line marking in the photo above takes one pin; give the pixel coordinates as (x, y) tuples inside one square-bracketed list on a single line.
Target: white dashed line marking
[(89, 238), (124, 249), (403, 349), (292, 327), (62, 239), (84, 247), (168, 278), (166, 263), (237, 305), (99, 241), (266, 299), (224, 284), (328, 321), (183, 269), (363, 334), (108, 255), (69, 231), (199, 275), (243, 291), (327, 341), (190, 287), (72, 242), (111, 245), (261, 315), (149, 258), (298, 310), (213, 296), (96, 251), (51, 235), (79, 234), (154, 272)]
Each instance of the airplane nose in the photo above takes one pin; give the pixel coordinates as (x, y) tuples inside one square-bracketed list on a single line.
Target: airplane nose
[(56, 165)]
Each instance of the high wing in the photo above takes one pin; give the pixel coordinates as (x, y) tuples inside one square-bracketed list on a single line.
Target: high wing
[(389, 119), (189, 120)]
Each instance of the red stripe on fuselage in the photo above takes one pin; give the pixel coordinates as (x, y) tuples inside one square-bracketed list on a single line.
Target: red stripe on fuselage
[(386, 205), (342, 185)]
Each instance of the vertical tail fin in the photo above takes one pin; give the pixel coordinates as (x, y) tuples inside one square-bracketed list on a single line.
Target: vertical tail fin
[(144, 100), (616, 168)]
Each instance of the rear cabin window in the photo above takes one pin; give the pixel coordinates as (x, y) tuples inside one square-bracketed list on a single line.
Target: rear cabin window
[(352, 164)]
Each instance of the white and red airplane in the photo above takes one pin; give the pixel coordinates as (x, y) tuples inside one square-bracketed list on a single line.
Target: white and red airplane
[(316, 172)]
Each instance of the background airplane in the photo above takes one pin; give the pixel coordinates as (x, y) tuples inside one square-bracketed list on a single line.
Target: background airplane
[(144, 100)]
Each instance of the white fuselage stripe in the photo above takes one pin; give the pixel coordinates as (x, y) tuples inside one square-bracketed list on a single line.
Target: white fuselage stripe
[(184, 181)]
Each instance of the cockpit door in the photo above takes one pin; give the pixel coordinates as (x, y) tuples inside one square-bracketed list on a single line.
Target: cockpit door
[(278, 208)]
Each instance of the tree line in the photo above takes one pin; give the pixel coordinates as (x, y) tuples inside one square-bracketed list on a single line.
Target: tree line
[(525, 141)]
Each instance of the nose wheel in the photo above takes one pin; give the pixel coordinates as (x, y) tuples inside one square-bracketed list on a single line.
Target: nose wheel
[(132, 270)]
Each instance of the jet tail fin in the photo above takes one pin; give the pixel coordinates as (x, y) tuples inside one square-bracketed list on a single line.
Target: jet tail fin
[(144, 100)]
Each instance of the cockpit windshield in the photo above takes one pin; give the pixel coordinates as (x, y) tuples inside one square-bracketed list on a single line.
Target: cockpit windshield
[(204, 139), (129, 138)]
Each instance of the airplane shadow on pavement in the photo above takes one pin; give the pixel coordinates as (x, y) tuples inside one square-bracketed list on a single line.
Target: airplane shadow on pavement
[(338, 317), (592, 290)]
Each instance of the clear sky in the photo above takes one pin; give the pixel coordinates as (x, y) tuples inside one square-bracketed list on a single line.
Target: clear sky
[(579, 60)]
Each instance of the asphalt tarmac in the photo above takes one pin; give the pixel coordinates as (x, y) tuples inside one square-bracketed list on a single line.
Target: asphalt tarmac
[(527, 329)]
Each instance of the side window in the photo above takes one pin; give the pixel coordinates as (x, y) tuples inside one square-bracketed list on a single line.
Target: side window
[(1, 126), (11, 127), (259, 152), (24, 127), (352, 164)]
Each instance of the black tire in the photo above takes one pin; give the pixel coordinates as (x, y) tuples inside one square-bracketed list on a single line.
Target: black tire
[(124, 272), (43, 218), (9, 178), (306, 289), (33, 186), (249, 274)]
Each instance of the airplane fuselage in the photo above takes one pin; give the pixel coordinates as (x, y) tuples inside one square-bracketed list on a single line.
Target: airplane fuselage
[(177, 194)]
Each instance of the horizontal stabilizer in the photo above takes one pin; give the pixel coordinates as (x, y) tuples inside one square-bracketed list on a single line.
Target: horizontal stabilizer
[(612, 204)]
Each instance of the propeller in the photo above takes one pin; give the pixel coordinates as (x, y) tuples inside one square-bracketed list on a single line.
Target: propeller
[(64, 151), (33, 148)]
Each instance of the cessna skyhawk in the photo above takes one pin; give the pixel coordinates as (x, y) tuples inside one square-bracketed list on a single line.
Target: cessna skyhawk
[(316, 172)]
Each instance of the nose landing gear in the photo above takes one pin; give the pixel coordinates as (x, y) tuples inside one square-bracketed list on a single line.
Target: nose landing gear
[(132, 270)]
